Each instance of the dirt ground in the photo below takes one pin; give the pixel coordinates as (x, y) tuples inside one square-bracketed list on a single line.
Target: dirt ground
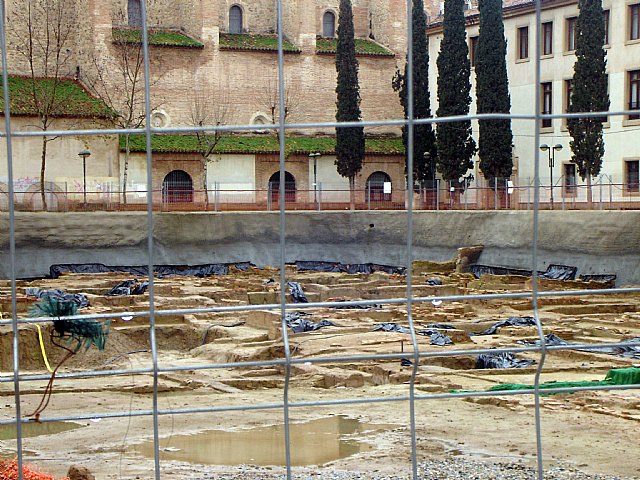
[(594, 431)]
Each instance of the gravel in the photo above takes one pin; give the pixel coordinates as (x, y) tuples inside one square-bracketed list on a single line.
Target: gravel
[(454, 469)]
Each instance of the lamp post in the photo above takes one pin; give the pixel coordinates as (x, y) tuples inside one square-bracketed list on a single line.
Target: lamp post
[(315, 156), (552, 158), (84, 154)]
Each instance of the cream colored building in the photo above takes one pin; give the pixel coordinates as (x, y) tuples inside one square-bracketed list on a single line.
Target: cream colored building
[(619, 179)]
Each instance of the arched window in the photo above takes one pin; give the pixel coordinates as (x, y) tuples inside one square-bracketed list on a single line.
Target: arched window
[(177, 187), (235, 19), (328, 25), (289, 187), (375, 187), (134, 13)]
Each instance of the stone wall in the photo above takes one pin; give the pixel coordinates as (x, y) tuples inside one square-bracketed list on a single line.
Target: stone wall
[(609, 245)]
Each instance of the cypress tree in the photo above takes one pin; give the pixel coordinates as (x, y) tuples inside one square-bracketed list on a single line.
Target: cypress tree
[(424, 139), (349, 141), (455, 144), (492, 93), (589, 92)]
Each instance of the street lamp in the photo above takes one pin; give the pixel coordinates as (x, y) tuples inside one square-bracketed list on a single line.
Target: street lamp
[(315, 156), (552, 159), (84, 154)]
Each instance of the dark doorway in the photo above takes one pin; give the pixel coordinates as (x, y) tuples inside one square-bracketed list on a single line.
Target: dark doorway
[(289, 187), (177, 187), (375, 187)]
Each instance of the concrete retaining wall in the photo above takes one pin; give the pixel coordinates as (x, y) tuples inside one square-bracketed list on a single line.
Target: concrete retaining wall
[(594, 241)]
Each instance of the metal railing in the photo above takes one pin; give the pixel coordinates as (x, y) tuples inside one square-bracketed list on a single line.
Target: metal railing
[(441, 198), (504, 195)]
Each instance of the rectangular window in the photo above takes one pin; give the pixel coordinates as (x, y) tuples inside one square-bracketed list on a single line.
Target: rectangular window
[(569, 178), (606, 27), (547, 38), (571, 34), (634, 21), (568, 91), (634, 93), (632, 175), (523, 43), (547, 103), (472, 50)]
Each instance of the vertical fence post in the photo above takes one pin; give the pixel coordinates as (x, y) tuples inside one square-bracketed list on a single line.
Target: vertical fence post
[(562, 190), (269, 197), (438, 194), (369, 196), (495, 194), (528, 193), (600, 180), (466, 206), (319, 193), (610, 192)]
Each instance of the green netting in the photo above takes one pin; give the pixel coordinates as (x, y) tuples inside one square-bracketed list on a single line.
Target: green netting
[(616, 376), (624, 376)]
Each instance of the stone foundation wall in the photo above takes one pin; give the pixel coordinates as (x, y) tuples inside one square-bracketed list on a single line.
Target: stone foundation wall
[(608, 245)]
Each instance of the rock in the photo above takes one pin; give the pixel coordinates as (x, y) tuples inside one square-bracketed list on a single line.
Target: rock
[(77, 472), (468, 256)]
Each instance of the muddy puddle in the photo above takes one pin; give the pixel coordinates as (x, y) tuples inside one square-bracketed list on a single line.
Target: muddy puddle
[(313, 443), (8, 432)]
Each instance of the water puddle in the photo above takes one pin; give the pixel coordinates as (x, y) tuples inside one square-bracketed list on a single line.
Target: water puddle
[(313, 443), (33, 429)]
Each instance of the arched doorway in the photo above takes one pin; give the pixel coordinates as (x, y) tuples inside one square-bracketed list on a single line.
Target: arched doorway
[(375, 187), (289, 187), (177, 187)]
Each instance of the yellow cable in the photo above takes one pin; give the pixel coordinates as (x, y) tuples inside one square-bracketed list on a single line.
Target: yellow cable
[(44, 353)]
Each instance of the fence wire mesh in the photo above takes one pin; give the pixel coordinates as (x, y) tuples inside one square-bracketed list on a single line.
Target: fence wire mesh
[(409, 300)]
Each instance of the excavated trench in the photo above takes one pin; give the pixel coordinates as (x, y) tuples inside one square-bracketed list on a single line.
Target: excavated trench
[(216, 338)]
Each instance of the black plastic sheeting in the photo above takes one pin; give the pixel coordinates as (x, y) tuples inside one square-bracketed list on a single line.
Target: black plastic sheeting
[(298, 324), (560, 272), (78, 298), (296, 292), (442, 326), (608, 279), (479, 270), (509, 322), (630, 350), (129, 287), (434, 281), (553, 272), (355, 307), (319, 266), (501, 360), (203, 270), (437, 338)]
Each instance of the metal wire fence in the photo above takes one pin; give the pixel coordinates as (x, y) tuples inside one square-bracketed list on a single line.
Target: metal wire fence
[(535, 194), (607, 195)]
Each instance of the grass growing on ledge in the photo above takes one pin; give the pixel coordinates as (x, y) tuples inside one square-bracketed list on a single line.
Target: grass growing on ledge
[(71, 100), (363, 47), (161, 38), (259, 144), (246, 41)]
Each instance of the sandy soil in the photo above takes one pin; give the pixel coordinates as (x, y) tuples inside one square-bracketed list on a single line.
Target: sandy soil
[(595, 431)]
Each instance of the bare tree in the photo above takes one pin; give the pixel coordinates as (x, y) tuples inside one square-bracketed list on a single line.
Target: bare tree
[(209, 108), (41, 31), (269, 99), (118, 80)]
